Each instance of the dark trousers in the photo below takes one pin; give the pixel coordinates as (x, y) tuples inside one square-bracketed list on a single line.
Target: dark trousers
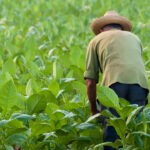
[(131, 92)]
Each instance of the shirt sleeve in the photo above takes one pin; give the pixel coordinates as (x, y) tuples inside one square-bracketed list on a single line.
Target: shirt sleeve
[(92, 64)]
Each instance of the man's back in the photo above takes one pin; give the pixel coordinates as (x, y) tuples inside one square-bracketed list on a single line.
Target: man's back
[(120, 58), (118, 54)]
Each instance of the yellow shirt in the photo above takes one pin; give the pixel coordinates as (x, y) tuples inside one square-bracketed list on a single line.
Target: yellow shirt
[(118, 55)]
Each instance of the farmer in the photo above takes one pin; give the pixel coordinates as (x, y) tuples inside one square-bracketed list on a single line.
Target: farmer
[(117, 54)]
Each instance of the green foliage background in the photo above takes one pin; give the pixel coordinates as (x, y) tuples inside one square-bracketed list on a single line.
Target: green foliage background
[(43, 100)]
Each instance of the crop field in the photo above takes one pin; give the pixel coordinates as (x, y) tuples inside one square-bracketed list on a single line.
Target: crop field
[(43, 100)]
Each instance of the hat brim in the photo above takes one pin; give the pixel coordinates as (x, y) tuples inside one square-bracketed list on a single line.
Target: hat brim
[(99, 23)]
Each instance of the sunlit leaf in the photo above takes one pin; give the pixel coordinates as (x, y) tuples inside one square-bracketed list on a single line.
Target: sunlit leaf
[(108, 97), (8, 95), (36, 103), (9, 66)]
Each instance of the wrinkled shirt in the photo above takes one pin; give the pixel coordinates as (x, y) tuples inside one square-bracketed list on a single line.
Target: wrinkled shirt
[(117, 55)]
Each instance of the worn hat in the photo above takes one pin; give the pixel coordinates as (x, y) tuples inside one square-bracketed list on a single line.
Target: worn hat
[(110, 17)]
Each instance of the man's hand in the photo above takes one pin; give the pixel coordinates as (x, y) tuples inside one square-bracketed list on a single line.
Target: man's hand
[(91, 92)]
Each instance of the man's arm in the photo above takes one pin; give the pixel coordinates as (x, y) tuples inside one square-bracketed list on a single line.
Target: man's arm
[(91, 92), (91, 75)]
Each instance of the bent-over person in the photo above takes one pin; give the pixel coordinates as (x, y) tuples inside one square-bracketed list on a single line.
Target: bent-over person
[(117, 54)]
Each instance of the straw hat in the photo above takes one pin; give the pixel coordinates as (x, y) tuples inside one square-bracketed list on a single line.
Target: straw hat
[(110, 17)]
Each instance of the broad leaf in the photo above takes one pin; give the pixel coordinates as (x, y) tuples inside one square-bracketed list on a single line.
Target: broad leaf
[(108, 97), (54, 87), (36, 103), (139, 142), (22, 117), (103, 144), (8, 95), (3, 122), (17, 139), (85, 125), (31, 87), (9, 66), (141, 133), (133, 114), (123, 102), (51, 108), (119, 125), (65, 80), (107, 113), (40, 128), (93, 117), (8, 147), (124, 112), (4, 78), (49, 96)]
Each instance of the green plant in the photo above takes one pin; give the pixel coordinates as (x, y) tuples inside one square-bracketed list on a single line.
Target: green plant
[(132, 125), (43, 101)]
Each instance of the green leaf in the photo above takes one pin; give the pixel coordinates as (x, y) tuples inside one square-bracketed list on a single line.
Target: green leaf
[(17, 139), (130, 139), (123, 102), (31, 87), (9, 66), (75, 56), (62, 132), (141, 133), (36, 103), (61, 111), (59, 93), (13, 130), (4, 78), (103, 144), (12, 49), (107, 113), (44, 116), (62, 114), (69, 115), (127, 110), (119, 125), (81, 142), (72, 105), (139, 141), (8, 95), (49, 135), (65, 80), (84, 139), (51, 108), (108, 97), (57, 70), (80, 88), (3, 122), (13, 124), (64, 138), (22, 117), (96, 135), (54, 87), (85, 125), (147, 113), (116, 144), (44, 144), (30, 48), (133, 114), (33, 69), (93, 117), (8, 147), (40, 128), (49, 96)]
